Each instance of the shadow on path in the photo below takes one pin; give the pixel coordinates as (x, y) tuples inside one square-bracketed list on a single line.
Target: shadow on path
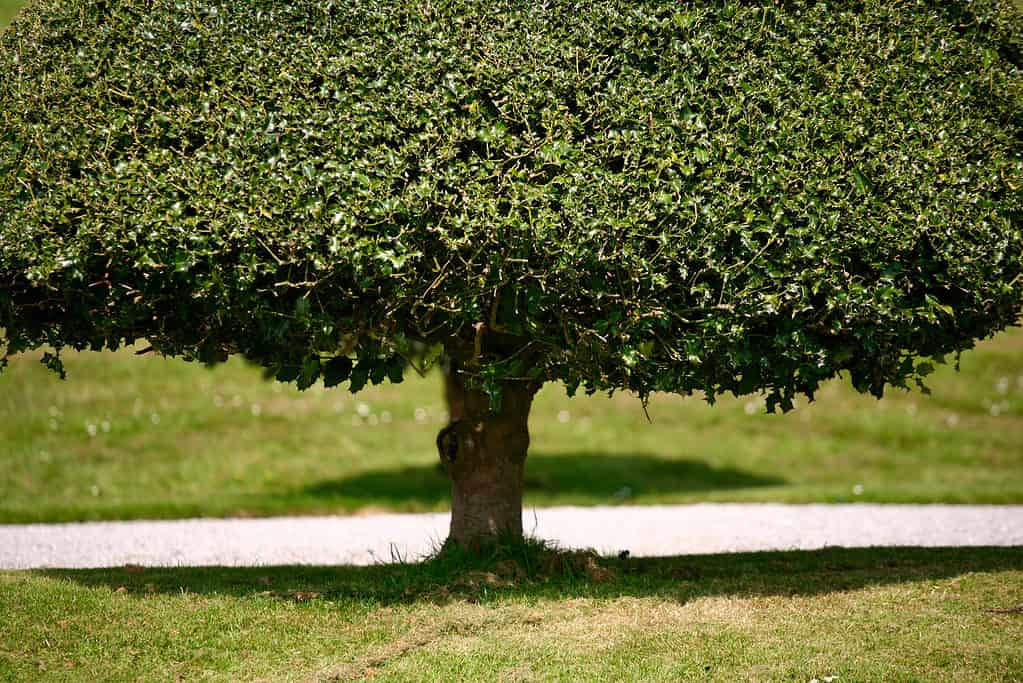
[(680, 578)]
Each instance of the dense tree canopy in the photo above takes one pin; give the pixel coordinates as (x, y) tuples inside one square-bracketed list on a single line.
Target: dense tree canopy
[(652, 195)]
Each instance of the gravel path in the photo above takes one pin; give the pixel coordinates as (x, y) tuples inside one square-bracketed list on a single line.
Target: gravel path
[(648, 530)]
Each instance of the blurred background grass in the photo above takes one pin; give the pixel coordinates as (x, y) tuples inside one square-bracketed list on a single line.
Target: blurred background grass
[(8, 8), (129, 436), (148, 437)]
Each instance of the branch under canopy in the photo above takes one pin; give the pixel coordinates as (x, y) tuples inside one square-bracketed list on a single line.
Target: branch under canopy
[(653, 195)]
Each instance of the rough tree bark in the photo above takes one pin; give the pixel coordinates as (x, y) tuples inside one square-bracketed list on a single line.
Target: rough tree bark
[(484, 454)]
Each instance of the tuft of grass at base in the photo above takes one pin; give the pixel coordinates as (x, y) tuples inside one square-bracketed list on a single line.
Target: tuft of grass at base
[(530, 614), (146, 437)]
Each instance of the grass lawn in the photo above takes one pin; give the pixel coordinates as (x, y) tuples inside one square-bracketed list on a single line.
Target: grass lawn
[(858, 615), (8, 8), (128, 437)]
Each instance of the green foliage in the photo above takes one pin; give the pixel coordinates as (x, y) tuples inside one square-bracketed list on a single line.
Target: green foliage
[(720, 196)]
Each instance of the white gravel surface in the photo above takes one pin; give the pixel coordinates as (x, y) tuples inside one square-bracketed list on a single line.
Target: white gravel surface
[(644, 531)]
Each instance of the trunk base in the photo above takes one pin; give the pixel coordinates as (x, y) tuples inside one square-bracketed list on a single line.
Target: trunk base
[(484, 454)]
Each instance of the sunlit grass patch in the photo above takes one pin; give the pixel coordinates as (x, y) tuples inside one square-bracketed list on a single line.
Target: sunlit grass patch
[(129, 436), (8, 8), (863, 615)]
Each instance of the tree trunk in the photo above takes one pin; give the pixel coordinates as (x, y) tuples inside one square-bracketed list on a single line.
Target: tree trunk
[(484, 453)]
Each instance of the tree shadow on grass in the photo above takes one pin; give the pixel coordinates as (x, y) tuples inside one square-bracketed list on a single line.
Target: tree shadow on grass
[(597, 477), (678, 578), (584, 478)]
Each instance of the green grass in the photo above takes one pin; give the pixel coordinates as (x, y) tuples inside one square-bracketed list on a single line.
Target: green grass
[(8, 8), (861, 615), (128, 437)]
